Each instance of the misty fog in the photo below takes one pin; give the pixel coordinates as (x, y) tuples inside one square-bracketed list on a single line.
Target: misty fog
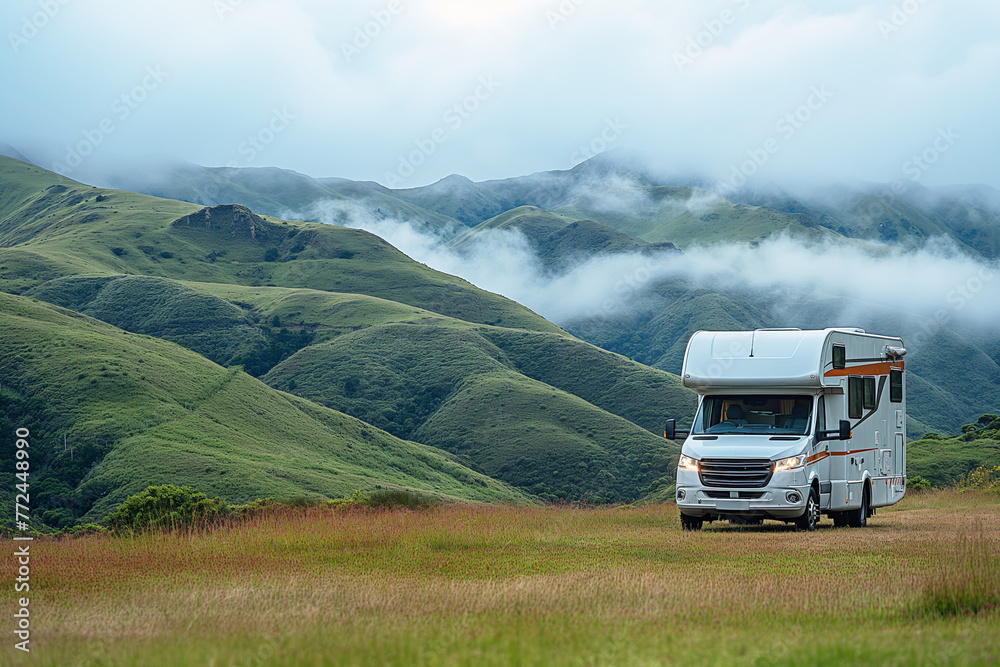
[(936, 281)]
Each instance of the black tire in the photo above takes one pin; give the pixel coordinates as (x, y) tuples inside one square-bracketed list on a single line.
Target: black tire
[(859, 518), (810, 517), (691, 522)]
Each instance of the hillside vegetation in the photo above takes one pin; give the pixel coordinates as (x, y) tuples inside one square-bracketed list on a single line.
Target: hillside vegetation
[(948, 460), (335, 316), (134, 410)]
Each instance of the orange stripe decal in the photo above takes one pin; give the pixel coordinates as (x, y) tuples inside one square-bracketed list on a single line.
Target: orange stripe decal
[(856, 451), (865, 369)]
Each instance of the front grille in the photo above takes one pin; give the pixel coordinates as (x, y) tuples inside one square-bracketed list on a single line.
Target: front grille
[(741, 495), (739, 473)]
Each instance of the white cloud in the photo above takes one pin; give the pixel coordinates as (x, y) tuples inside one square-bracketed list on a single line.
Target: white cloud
[(561, 80), (936, 281)]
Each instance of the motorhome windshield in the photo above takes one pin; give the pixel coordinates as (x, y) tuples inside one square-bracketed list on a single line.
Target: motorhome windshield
[(754, 415)]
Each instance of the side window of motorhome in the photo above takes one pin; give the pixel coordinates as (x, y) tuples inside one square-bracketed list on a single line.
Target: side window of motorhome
[(896, 385), (839, 356), (821, 414), (869, 403), (855, 396)]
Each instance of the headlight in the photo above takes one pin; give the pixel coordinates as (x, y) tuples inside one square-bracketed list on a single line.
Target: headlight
[(790, 463), (687, 463)]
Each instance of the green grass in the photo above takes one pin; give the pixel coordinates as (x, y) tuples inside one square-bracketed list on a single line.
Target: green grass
[(502, 585), (139, 410), (943, 461)]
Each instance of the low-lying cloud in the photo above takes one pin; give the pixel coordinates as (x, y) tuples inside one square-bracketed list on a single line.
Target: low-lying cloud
[(936, 281)]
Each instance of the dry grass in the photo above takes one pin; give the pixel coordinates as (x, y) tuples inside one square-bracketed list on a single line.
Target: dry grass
[(521, 585)]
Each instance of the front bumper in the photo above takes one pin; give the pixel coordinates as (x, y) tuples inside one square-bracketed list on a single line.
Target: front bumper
[(772, 501)]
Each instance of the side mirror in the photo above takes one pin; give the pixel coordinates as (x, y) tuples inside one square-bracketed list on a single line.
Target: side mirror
[(670, 431), (843, 432)]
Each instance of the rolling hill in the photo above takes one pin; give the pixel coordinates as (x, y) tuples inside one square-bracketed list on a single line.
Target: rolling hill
[(557, 241), (335, 316), (111, 412), (339, 322)]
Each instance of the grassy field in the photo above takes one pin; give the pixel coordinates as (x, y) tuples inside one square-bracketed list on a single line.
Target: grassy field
[(516, 585)]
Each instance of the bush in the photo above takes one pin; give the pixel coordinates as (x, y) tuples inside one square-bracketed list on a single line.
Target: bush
[(165, 507), (982, 478), (271, 255), (917, 483), (385, 498), (392, 498), (987, 426)]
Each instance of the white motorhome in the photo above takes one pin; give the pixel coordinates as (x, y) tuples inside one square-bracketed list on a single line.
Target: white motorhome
[(792, 424)]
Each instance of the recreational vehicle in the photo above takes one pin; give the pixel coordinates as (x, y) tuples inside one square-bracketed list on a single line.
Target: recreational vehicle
[(792, 424)]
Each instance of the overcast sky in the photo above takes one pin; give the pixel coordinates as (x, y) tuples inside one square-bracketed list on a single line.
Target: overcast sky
[(405, 92)]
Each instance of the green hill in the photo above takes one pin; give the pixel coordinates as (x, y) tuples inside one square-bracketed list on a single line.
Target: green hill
[(336, 316), (51, 227), (278, 192), (429, 384), (944, 461), (560, 242), (457, 197), (134, 410)]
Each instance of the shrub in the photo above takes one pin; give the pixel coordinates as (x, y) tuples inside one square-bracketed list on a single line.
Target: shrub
[(165, 507), (982, 478), (271, 255), (385, 498), (917, 483), (85, 529), (357, 499), (119, 252), (391, 498)]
